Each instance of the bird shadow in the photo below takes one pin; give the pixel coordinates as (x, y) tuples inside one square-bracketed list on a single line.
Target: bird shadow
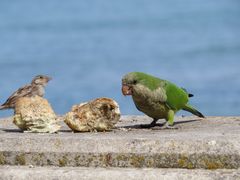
[(11, 130), (187, 121), (20, 131), (140, 126)]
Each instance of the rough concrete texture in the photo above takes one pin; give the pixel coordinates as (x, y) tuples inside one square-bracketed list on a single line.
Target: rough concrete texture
[(72, 173), (211, 143)]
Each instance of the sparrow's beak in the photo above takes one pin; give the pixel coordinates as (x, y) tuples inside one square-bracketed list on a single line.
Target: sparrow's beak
[(126, 90), (49, 78)]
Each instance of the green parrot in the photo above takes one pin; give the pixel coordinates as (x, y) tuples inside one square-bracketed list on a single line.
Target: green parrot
[(157, 98)]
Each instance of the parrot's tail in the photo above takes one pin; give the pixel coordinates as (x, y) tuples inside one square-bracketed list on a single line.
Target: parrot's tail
[(193, 111)]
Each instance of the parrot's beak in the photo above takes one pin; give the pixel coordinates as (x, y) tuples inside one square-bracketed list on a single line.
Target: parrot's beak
[(126, 90)]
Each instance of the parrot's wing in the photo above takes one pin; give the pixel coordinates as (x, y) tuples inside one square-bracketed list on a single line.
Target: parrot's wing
[(176, 97)]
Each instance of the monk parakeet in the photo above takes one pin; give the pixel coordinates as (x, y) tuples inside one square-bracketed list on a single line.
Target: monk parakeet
[(157, 98)]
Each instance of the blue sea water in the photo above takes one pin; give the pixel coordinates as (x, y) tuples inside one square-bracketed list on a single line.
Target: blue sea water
[(88, 45)]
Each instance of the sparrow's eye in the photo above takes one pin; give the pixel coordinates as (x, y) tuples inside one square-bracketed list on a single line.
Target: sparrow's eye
[(40, 77), (135, 82)]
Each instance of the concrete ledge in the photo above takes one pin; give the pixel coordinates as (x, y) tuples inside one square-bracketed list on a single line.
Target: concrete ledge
[(211, 143), (71, 173)]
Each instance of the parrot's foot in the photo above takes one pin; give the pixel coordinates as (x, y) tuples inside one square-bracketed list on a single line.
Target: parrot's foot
[(167, 126)]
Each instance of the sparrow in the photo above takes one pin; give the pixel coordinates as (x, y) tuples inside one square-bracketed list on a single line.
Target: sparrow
[(36, 88)]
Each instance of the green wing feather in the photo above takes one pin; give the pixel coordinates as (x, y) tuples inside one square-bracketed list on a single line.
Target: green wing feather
[(177, 98)]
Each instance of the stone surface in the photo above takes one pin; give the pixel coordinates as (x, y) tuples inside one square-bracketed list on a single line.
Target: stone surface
[(211, 143), (72, 173), (35, 114), (97, 115)]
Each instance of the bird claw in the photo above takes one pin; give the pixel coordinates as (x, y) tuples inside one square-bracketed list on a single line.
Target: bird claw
[(167, 126)]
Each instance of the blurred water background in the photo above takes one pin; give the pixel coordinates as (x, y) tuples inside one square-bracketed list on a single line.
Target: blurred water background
[(88, 45)]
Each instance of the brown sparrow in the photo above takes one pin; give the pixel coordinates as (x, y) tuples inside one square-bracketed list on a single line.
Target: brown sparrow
[(36, 88)]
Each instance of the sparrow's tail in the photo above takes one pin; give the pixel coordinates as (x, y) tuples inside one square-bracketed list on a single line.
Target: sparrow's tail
[(192, 110), (2, 107)]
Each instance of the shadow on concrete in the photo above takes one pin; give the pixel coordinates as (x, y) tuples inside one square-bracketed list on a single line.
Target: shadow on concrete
[(11, 130), (187, 121), (65, 131), (139, 126)]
